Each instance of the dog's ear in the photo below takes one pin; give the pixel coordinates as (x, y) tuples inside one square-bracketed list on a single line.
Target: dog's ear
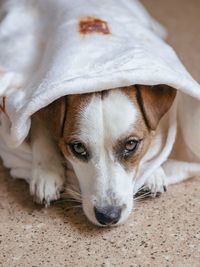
[(53, 116), (154, 102)]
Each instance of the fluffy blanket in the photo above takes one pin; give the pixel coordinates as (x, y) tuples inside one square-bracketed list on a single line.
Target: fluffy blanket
[(50, 48)]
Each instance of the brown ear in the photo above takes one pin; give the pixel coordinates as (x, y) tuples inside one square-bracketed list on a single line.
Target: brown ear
[(154, 101), (53, 116)]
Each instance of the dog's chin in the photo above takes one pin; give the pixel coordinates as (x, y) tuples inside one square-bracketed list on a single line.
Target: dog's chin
[(89, 212)]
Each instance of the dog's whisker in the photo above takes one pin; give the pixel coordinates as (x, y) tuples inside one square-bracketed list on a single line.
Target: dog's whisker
[(141, 188), (68, 200), (73, 198), (72, 194), (142, 196), (138, 199), (68, 208), (73, 191), (74, 206), (145, 193)]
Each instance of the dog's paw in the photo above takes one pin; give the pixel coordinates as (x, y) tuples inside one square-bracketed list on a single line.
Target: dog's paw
[(156, 183), (46, 185)]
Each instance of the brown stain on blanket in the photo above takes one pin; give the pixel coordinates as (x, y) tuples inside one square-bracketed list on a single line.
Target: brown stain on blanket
[(3, 105), (88, 25)]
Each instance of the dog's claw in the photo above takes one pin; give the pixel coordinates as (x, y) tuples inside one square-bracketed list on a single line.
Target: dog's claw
[(165, 188)]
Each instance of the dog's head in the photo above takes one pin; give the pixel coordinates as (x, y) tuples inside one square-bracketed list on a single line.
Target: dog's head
[(105, 135)]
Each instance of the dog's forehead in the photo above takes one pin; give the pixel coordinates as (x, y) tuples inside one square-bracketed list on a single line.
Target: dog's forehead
[(106, 115)]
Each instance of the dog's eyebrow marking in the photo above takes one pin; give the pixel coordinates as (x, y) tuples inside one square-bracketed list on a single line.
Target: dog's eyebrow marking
[(90, 25)]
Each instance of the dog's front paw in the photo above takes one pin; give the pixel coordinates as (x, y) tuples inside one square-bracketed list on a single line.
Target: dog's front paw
[(156, 183), (46, 185)]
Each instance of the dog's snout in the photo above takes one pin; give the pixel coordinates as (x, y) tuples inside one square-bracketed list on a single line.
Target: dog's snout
[(107, 215)]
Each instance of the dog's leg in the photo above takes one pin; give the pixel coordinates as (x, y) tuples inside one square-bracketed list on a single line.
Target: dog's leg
[(157, 182), (178, 171), (47, 170)]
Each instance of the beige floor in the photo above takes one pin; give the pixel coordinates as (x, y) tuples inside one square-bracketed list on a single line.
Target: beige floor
[(160, 232)]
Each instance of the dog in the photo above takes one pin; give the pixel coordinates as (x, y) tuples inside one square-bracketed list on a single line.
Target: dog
[(105, 137)]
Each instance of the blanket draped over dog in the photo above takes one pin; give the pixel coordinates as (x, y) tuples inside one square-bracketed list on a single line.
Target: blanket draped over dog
[(50, 48)]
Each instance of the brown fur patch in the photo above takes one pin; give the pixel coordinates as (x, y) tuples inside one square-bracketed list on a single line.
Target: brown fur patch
[(53, 116), (154, 102)]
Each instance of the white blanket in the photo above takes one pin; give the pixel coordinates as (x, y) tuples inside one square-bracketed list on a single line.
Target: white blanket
[(50, 48)]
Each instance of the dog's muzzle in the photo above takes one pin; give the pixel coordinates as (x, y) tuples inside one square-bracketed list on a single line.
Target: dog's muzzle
[(108, 215)]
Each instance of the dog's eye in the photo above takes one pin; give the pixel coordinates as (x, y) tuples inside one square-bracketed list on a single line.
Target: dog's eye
[(131, 145), (79, 150)]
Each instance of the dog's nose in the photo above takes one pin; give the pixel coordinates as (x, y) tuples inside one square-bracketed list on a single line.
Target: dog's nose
[(107, 215)]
